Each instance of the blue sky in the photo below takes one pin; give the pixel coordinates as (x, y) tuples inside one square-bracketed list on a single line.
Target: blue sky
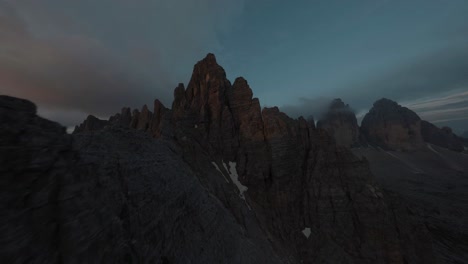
[(75, 58)]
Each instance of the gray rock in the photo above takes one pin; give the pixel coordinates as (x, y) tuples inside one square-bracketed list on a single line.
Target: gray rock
[(443, 137)]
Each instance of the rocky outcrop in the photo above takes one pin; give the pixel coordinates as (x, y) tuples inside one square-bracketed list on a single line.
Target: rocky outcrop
[(443, 137), (144, 120), (392, 126), (341, 123), (91, 123)]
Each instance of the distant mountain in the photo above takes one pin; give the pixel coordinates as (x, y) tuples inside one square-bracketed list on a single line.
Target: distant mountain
[(340, 121), (391, 126), (214, 179)]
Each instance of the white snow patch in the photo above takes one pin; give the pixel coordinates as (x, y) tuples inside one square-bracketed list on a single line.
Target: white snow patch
[(433, 150), (235, 179), (196, 126), (306, 232), (225, 167), (217, 168)]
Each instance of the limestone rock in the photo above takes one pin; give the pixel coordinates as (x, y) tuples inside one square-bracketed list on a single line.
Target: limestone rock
[(135, 118), (144, 119), (391, 126), (91, 123), (443, 137)]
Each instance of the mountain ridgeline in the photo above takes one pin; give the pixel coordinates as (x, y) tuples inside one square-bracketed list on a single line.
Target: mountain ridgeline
[(387, 125), (213, 179)]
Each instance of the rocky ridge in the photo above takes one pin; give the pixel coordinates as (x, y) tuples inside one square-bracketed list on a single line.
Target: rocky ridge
[(443, 137)]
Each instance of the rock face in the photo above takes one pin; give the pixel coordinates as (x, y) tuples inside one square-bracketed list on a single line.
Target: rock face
[(434, 183), (223, 182), (91, 123), (144, 120), (341, 123), (443, 137), (391, 126)]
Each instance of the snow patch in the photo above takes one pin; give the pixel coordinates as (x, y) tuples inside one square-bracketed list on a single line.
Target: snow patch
[(217, 168), (433, 150), (235, 179), (196, 126), (306, 232)]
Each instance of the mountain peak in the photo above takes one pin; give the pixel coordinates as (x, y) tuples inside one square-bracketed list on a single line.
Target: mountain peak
[(210, 58), (392, 126), (384, 102)]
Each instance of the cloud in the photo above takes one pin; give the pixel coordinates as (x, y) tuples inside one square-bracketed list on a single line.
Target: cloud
[(446, 109), (307, 107), (94, 57)]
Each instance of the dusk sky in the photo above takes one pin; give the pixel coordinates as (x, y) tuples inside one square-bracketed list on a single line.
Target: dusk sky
[(74, 58)]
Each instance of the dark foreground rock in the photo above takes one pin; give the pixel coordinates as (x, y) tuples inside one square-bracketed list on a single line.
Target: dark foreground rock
[(114, 196)]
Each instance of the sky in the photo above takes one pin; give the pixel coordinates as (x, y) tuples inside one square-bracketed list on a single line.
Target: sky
[(74, 58)]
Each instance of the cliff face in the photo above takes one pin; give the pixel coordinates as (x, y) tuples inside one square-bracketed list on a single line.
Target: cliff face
[(442, 137), (257, 180), (392, 126), (341, 123)]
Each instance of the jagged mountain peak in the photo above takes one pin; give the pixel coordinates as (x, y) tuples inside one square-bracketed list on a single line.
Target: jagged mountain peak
[(280, 161)]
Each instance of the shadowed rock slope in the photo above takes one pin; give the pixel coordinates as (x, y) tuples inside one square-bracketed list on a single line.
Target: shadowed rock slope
[(434, 183), (215, 179)]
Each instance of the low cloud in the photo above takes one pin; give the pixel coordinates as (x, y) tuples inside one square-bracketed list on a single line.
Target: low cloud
[(307, 107)]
